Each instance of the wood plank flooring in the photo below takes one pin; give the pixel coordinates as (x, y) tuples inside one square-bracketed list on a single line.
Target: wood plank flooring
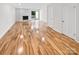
[(23, 39)]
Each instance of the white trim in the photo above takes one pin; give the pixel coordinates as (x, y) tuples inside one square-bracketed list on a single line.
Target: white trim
[(6, 30)]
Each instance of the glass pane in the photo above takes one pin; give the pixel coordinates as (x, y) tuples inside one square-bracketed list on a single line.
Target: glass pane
[(33, 14), (37, 15)]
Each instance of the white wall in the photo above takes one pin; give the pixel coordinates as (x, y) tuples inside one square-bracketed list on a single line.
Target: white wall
[(63, 12), (34, 6), (7, 18), (43, 14), (77, 22)]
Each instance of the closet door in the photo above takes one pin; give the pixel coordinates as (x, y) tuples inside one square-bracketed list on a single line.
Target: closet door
[(50, 16), (69, 21), (57, 18)]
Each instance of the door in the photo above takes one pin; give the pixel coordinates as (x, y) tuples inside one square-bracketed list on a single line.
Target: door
[(69, 21), (57, 18), (50, 16)]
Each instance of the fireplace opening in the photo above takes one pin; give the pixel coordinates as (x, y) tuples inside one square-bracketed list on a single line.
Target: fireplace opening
[(25, 17)]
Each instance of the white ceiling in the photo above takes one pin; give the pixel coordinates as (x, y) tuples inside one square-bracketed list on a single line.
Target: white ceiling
[(28, 5)]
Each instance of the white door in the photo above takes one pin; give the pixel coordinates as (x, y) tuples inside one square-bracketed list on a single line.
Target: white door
[(50, 16), (69, 21), (57, 18)]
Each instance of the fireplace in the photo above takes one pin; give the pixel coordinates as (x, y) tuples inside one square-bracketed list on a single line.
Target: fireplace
[(25, 17)]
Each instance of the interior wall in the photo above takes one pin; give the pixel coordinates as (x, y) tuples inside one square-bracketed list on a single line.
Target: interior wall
[(77, 22), (7, 18), (34, 6), (63, 19), (20, 12)]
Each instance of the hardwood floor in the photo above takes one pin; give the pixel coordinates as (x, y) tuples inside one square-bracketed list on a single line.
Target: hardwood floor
[(23, 39)]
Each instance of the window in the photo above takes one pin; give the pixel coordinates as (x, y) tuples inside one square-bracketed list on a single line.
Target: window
[(35, 15)]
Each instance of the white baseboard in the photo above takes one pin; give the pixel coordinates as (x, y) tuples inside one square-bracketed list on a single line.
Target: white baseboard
[(6, 30), (55, 29)]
